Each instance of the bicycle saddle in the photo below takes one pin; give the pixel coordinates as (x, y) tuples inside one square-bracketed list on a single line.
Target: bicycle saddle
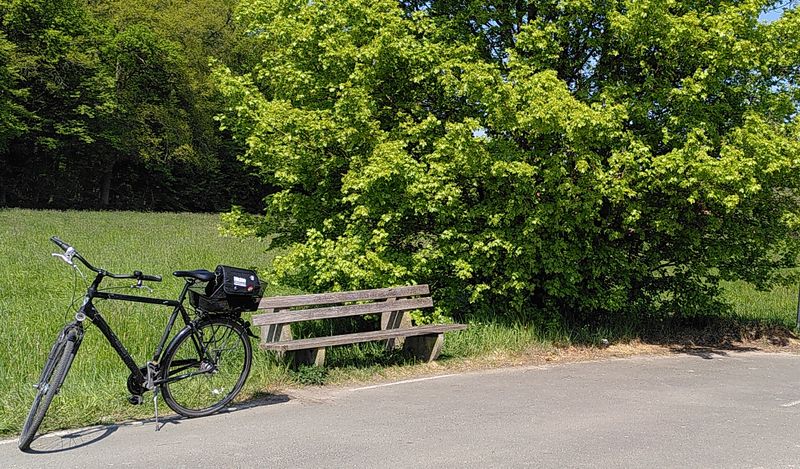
[(200, 274)]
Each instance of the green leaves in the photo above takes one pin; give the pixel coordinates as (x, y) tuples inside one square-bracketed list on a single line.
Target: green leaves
[(537, 160), (12, 94), (110, 103)]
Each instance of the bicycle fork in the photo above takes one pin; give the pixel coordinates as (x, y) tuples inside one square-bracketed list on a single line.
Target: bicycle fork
[(77, 337)]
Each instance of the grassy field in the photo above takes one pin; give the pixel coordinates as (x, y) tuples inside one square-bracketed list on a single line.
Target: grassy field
[(36, 290), (778, 306)]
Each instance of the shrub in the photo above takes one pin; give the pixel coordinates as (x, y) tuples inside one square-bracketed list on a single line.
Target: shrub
[(611, 158)]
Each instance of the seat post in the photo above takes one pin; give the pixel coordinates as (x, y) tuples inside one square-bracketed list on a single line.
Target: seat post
[(189, 282)]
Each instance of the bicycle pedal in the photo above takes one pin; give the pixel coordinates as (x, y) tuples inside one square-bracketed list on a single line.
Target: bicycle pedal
[(136, 399)]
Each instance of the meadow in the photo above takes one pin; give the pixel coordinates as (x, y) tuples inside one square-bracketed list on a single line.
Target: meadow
[(36, 291)]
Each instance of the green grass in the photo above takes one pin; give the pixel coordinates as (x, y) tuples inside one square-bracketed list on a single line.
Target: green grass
[(35, 291), (776, 307)]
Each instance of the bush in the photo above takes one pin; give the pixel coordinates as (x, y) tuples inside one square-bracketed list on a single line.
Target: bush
[(610, 159)]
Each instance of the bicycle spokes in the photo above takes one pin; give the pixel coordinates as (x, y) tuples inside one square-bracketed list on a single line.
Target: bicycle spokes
[(207, 368)]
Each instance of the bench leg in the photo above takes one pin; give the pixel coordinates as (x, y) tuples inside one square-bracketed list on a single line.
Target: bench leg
[(276, 333), (395, 320), (424, 347), (314, 357)]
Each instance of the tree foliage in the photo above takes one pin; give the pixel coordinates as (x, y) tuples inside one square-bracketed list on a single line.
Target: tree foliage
[(108, 104), (12, 113), (562, 159)]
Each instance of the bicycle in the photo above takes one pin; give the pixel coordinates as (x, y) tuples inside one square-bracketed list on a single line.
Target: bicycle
[(200, 370)]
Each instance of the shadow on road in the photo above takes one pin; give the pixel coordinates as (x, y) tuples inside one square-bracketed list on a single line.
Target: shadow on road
[(709, 353), (73, 439), (60, 442), (711, 336)]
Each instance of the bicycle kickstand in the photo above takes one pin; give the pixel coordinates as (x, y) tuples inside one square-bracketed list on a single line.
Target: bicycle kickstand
[(155, 405)]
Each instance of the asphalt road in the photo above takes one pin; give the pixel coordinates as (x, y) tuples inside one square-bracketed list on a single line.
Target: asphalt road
[(705, 410)]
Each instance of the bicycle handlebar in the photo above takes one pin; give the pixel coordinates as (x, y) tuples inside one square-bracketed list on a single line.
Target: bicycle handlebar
[(60, 243), (138, 275)]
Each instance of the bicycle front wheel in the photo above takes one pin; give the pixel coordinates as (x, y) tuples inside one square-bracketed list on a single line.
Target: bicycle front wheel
[(206, 367), (50, 381)]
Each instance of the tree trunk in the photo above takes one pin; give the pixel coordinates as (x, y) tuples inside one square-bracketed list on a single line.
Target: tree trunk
[(4, 160), (105, 187)]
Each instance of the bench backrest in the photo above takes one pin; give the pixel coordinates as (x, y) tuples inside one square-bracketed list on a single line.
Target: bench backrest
[(369, 302)]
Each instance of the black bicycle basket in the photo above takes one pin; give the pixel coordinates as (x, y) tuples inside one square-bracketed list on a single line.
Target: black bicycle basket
[(232, 290)]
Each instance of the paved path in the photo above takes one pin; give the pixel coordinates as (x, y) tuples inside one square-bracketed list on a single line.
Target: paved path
[(716, 410)]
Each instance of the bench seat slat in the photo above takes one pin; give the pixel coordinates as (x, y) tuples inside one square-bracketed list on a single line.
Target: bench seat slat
[(318, 342), (278, 302), (284, 317)]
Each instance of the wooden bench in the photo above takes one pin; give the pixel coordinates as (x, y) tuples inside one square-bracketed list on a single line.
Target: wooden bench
[(393, 305)]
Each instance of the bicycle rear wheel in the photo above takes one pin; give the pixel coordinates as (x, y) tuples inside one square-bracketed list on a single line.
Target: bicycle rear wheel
[(55, 371), (206, 368)]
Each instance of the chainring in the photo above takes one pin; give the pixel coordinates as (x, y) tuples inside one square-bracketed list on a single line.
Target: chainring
[(137, 389)]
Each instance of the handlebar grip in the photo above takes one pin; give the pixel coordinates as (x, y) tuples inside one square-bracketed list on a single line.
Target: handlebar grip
[(60, 243), (137, 274)]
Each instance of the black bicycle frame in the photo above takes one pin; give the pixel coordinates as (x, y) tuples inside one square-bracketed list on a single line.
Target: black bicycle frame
[(92, 313)]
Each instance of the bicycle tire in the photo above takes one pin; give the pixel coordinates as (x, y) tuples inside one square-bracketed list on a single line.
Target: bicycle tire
[(194, 380), (53, 375)]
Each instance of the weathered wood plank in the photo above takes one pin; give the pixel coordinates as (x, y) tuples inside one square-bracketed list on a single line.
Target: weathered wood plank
[(283, 317), (318, 342), (278, 302)]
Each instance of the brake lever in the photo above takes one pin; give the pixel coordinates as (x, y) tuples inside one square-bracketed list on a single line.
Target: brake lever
[(67, 256), (64, 258)]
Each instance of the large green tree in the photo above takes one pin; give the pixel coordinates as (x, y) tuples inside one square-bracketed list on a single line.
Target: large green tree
[(12, 112), (56, 55), (108, 104), (166, 103), (567, 158)]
